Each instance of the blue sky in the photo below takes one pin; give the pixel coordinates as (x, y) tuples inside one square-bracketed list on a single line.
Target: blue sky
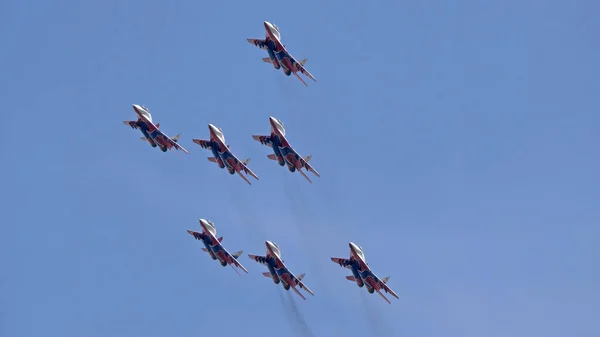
[(456, 140)]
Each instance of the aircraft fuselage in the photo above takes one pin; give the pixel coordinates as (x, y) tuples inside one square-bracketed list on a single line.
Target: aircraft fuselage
[(285, 154), (279, 57), (222, 157), (152, 135)]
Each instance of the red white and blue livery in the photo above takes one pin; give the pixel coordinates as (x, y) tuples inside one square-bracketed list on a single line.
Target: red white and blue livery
[(278, 272), (222, 154), (151, 132), (213, 246), (279, 57), (283, 152), (362, 274)]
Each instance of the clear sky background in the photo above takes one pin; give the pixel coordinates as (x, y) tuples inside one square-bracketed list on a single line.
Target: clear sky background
[(457, 143)]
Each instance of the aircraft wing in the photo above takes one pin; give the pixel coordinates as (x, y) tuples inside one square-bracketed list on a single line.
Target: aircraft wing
[(204, 143), (196, 235), (265, 140), (172, 141), (132, 124), (386, 288), (259, 259), (341, 261), (302, 69), (243, 166), (234, 260), (304, 162), (260, 43), (300, 284)]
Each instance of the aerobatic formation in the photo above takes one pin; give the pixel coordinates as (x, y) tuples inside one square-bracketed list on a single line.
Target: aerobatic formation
[(285, 155)]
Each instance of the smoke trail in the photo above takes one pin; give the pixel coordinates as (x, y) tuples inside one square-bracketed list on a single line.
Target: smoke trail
[(376, 325), (303, 327), (287, 311)]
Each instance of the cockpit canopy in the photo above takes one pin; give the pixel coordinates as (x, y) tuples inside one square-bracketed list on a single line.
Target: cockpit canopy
[(359, 251), (276, 32), (146, 113), (280, 126), (276, 250), (273, 29), (210, 226), (219, 134)]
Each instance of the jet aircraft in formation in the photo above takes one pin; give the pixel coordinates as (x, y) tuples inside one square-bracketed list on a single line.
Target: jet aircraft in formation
[(222, 155), (213, 246), (151, 132), (278, 271), (361, 272), (284, 154), (279, 57)]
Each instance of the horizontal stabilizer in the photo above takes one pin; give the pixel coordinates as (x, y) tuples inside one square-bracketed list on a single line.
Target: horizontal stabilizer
[(272, 156), (144, 139), (350, 278), (267, 59), (204, 250), (267, 274), (213, 159)]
